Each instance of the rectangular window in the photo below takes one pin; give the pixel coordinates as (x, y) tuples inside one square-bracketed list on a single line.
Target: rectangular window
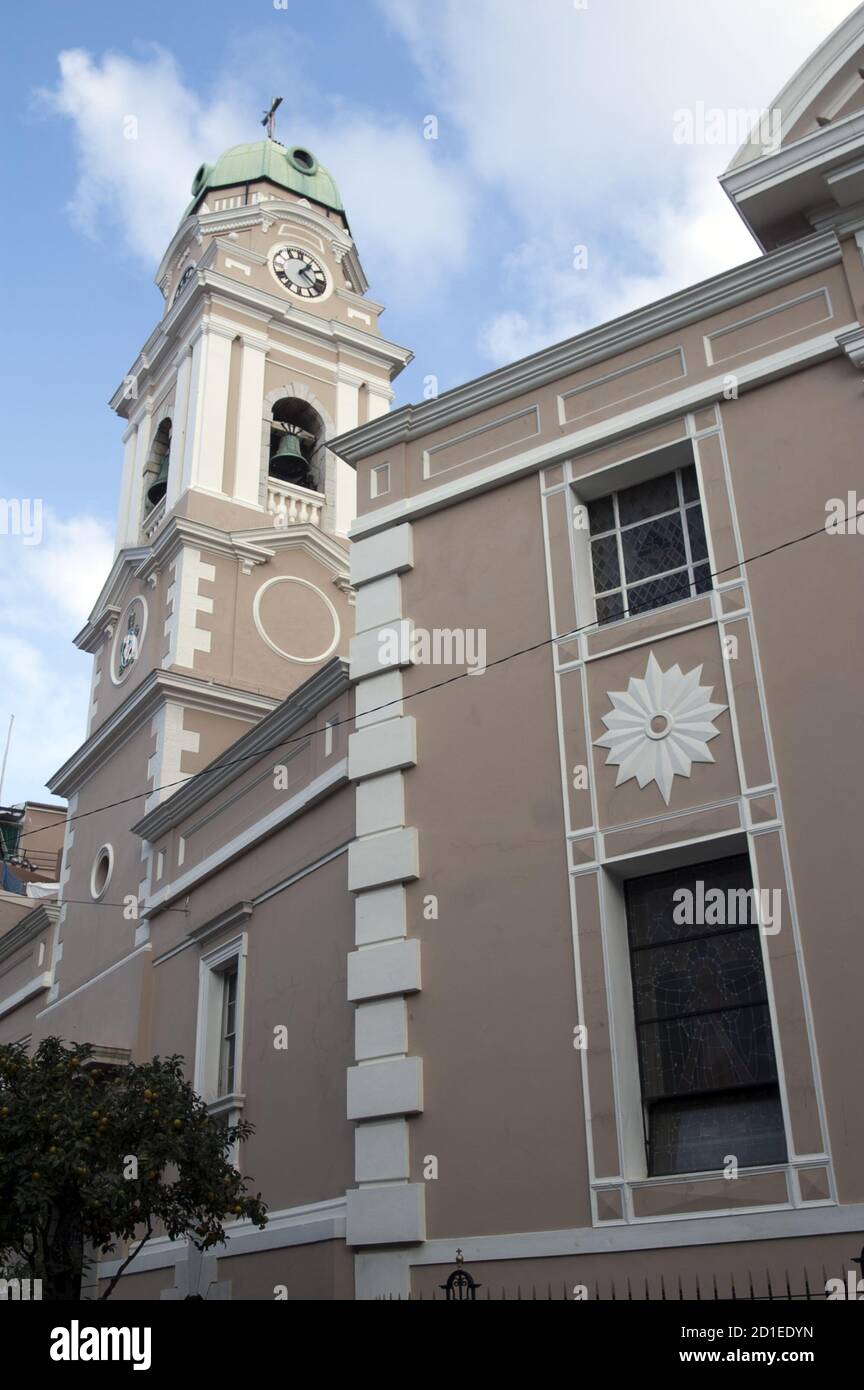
[(648, 546), (703, 1026), (381, 480), (228, 1031)]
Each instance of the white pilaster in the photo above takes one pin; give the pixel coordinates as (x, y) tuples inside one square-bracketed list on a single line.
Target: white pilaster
[(127, 532), (347, 418), (204, 455), (385, 1087), (250, 407), (178, 429)]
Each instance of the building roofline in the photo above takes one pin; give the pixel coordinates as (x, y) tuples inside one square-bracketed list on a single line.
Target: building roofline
[(710, 296), (274, 729)]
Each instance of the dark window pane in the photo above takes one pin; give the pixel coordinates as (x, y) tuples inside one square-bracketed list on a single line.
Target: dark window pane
[(707, 1052), (604, 560), (696, 530), (658, 592), (653, 548), (690, 484), (651, 901), (721, 971), (609, 608), (648, 499), (694, 1136), (601, 515), (702, 579)]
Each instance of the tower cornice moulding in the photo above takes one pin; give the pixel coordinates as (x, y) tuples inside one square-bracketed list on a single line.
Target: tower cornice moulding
[(274, 729), (107, 605), (166, 338), (143, 702), (263, 215)]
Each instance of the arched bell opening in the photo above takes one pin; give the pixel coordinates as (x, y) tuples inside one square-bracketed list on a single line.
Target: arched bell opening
[(156, 467), (296, 444)]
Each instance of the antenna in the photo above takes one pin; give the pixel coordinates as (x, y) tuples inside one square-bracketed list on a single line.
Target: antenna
[(269, 121), (6, 754)]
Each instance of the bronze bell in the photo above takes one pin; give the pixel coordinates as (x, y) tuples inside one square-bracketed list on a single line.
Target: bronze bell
[(287, 463), (159, 486)]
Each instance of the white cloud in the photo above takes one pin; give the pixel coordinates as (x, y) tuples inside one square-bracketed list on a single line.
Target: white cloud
[(410, 209), (568, 114), (48, 591)]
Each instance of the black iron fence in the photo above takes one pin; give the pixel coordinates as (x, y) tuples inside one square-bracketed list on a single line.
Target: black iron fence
[(802, 1285)]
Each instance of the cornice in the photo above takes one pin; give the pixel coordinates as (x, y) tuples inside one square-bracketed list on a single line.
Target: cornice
[(810, 79), (107, 605), (165, 338), (143, 702), (704, 392), (263, 214), (852, 344), (834, 141), (597, 344), (301, 706), (28, 927)]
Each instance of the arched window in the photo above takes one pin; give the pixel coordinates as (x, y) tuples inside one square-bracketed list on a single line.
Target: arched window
[(156, 467), (296, 444)]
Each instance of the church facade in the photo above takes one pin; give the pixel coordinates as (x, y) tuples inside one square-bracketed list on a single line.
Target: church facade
[(470, 789)]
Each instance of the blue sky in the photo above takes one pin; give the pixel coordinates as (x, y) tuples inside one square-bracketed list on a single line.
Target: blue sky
[(554, 131)]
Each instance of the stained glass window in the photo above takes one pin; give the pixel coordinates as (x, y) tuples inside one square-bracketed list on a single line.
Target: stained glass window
[(648, 545), (703, 1025)]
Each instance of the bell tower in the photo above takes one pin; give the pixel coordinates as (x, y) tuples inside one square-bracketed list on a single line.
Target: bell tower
[(229, 586)]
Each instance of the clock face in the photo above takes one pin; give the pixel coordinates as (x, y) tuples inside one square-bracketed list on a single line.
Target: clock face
[(183, 282), (299, 272)]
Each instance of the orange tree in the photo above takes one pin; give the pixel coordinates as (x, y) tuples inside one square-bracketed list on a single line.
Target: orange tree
[(102, 1156)]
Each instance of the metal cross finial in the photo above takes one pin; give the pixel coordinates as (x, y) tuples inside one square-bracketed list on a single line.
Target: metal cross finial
[(269, 121)]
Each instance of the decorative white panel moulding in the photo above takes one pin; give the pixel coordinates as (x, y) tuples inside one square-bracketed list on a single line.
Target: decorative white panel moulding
[(380, 803), (659, 726), (380, 649), (378, 698), (387, 552), (378, 603), (380, 1029), (385, 1088), (385, 747), (386, 1215), (376, 971), (380, 915), (378, 860), (381, 1151)]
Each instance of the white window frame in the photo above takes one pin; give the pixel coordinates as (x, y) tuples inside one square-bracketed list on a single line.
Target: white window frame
[(213, 965)]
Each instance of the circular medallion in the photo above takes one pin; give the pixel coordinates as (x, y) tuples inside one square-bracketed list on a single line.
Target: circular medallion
[(298, 623)]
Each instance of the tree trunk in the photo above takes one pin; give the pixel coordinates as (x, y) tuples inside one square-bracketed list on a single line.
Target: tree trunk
[(62, 1257)]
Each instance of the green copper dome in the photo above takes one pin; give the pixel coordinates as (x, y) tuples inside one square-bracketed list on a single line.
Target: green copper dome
[(288, 166)]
